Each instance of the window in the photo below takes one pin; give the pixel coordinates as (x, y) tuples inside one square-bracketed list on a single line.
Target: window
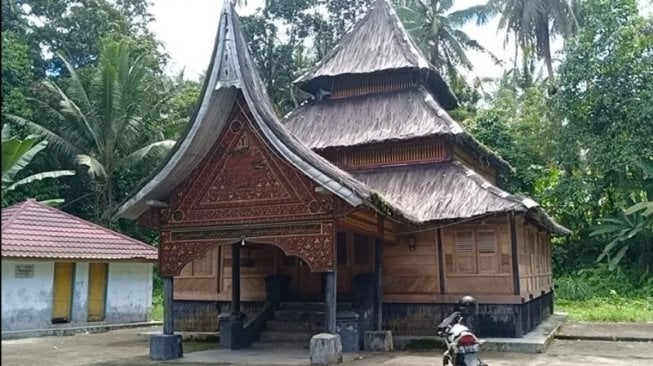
[(476, 252), (361, 249), (341, 241)]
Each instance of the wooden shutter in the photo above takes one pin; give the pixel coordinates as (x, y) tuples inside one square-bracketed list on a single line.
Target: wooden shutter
[(465, 252), (486, 241)]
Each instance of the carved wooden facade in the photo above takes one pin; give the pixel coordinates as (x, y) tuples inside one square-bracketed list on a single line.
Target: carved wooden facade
[(243, 191)]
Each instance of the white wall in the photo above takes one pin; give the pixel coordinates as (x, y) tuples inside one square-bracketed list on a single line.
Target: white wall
[(129, 292), (80, 294), (27, 302)]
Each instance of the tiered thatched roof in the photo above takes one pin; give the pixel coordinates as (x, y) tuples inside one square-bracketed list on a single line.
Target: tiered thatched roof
[(372, 118), (448, 192), (378, 43)]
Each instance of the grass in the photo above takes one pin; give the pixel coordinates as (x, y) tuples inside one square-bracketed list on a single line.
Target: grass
[(611, 309), (157, 306)]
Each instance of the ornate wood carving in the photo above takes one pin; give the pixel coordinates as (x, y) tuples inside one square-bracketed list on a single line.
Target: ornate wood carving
[(151, 219), (242, 180), (312, 242)]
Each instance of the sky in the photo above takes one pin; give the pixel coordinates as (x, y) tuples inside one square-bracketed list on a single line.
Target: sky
[(187, 29)]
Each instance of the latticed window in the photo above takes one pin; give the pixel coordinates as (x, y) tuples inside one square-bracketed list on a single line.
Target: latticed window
[(476, 252)]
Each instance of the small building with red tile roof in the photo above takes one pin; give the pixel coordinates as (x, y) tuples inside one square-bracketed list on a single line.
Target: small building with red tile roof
[(59, 270)]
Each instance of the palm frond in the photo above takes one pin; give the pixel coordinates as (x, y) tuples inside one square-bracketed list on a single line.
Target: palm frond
[(23, 155), (55, 141), (95, 168), (40, 176), (154, 150)]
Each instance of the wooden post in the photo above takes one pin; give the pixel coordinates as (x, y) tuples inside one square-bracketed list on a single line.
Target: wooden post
[(168, 320), (440, 261), (330, 302), (378, 276), (235, 278), (515, 255)]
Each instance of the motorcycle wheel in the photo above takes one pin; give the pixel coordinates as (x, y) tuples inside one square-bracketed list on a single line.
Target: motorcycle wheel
[(446, 361)]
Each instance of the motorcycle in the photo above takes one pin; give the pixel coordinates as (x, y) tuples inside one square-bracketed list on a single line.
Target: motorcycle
[(462, 345)]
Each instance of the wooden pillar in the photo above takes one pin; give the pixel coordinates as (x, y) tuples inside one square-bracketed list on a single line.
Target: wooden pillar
[(378, 276), (168, 320), (515, 255), (235, 278), (441, 272), (330, 302), (378, 284)]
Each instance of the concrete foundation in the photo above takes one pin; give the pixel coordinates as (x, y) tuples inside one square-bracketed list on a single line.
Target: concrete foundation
[(326, 349), (165, 347), (378, 341), (347, 328), (231, 331)]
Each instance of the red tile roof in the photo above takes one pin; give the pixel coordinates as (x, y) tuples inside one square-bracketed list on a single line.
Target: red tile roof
[(34, 230)]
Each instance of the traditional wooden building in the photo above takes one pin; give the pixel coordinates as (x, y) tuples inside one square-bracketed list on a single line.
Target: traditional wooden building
[(369, 197)]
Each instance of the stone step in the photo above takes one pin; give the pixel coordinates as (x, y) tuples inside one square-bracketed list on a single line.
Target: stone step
[(282, 326), (293, 316), (275, 336), (312, 306)]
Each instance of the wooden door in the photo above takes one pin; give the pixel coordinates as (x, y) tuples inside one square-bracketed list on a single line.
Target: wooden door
[(309, 283), (62, 292), (97, 289)]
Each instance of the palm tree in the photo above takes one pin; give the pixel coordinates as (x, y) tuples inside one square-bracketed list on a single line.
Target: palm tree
[(106, 124), (16, 156), (437, 32), (532, 24)]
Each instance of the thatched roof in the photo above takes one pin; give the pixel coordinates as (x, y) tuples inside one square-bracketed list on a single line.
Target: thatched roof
[(449, 192), (378, 42), (232, 71), (372, 118)]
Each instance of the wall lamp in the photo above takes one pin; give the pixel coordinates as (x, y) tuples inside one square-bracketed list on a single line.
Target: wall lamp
[(412, 244)]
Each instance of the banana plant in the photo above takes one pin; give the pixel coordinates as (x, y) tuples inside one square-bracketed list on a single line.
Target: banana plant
[(634, 221), (18, 154)]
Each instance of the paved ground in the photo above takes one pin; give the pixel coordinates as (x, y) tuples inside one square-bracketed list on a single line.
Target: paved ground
[(607, 331), (124, 347)]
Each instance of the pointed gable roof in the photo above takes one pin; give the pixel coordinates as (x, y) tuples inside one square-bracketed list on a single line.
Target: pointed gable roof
[(34, 230), (232, 70), (378, 42)]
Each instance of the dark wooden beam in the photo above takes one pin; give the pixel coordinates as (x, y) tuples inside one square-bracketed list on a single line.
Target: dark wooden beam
[(168, 303), (235, 278), (515, 255), (441, 271), (330, 302), (378, 277)]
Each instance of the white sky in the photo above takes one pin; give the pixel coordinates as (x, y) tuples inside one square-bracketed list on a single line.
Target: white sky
[(188, 28)]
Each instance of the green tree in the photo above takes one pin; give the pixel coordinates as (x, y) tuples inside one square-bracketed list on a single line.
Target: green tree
[(604, 96), (437, 31), (16, 155), (532, 24), (107, 123)]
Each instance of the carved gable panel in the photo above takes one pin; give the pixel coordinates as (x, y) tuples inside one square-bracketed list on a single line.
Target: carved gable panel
[(243, 180)]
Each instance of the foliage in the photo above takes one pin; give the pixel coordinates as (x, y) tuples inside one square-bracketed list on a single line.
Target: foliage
[(16, 155), (286, 37), (604, 97), (602, 294), (76, 29), (635, 221), (437, 31), (532, 23), (104, 123)]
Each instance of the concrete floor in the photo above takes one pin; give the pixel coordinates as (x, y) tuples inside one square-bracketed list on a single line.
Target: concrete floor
[(125, 347)]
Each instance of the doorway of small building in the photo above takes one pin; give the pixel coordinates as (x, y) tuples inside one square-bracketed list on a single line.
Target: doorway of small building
[(97, 289), (62, 292)]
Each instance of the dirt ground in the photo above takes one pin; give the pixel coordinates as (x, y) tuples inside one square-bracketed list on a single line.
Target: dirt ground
[(124, 347)]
